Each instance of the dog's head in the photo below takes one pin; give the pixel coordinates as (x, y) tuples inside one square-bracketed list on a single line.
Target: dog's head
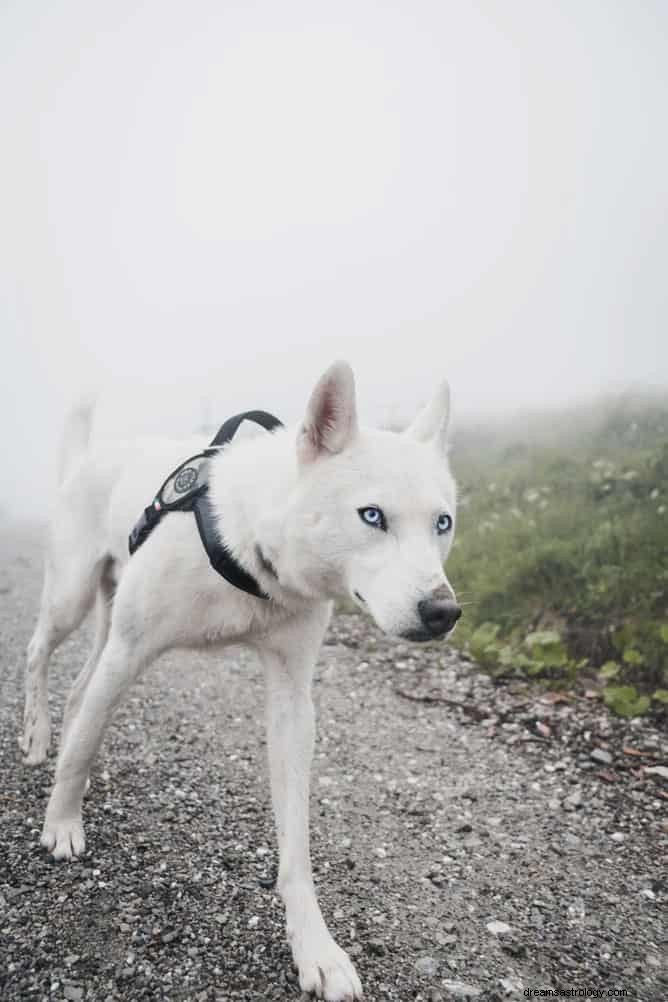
[(372, 516)]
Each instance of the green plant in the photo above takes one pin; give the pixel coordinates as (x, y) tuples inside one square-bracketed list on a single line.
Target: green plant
[(562, 546)]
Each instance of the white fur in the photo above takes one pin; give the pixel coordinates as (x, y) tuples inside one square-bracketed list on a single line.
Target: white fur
[(296, 495)]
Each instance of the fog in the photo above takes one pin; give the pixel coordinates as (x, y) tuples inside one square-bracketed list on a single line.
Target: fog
[(203, 204)]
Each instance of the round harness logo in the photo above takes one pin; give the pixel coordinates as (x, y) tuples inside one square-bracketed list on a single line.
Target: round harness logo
[(185, 479)]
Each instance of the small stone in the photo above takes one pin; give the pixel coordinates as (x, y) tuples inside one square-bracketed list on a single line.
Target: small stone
[(462, 990), (427, 967), (375, 947), (576, 912), (617, 836), (573, 800), (657, 770), (511, 985), (73, 993), (498, 928), (602, 756)]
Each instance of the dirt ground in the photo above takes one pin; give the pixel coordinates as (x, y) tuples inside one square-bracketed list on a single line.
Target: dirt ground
[(470, 840)]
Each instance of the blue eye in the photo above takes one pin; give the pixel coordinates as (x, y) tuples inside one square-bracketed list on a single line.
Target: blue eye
[(373, 516), (443, 524)]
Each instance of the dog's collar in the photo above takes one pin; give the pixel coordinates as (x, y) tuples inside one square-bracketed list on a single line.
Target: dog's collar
[(187, 489)]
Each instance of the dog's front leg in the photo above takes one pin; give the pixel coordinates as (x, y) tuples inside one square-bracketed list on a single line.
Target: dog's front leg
[(324, 968)]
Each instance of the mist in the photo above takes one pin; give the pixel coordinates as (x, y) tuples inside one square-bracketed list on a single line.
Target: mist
[(203, 205)]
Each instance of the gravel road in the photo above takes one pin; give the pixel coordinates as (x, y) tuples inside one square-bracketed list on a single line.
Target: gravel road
[(470, 840)]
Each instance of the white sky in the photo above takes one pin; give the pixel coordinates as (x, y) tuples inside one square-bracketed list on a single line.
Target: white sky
[(212, 200)]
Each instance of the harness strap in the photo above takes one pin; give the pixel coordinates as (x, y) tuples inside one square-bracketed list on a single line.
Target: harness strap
[(220, 557), (187, 489), (229, 428)]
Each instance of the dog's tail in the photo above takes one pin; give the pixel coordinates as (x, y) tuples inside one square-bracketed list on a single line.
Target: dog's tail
[(76, 435)]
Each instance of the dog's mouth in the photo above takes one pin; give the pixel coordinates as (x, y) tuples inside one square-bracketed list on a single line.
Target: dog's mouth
[(421, 636)]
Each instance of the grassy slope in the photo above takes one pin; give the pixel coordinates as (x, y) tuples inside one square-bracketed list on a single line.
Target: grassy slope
[(563, 529)]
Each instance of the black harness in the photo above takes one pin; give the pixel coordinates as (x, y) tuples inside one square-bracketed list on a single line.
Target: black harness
[(187, 489)]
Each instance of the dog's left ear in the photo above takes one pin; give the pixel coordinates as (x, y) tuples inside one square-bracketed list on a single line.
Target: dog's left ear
[(330, 423), (433, 421)]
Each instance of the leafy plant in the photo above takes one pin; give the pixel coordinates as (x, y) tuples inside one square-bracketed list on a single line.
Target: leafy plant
[(625, 701), (562, 546)]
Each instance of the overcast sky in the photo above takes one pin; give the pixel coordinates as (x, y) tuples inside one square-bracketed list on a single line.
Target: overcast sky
[(213, 200)]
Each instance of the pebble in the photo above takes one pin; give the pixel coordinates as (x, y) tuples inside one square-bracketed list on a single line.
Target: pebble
[(602, 756), (657, 770), (427, 967), (617, 836), (445, 940), (375, 947), (573, 800), (576, 912), (498, 928), (511, 985), (462, 990)]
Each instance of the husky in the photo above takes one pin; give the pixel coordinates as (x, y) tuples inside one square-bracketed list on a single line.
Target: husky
[(325, 511)]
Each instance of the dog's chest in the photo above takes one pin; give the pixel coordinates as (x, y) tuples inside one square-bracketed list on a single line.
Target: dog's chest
[(219, 614)]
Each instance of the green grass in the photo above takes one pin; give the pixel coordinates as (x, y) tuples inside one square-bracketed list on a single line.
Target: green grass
[(562, 538)]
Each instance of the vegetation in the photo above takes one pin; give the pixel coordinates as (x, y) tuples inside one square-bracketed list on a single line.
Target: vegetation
[(561, 553)]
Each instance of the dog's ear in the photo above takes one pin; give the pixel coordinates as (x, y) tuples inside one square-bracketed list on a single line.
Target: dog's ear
[(431, 424), (330, 423)]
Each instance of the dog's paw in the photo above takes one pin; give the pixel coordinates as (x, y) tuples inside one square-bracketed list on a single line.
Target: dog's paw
[(35, 741), (64, 839), (326, 970)]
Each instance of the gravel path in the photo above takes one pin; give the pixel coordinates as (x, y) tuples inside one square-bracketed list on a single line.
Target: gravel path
[(469, 840)]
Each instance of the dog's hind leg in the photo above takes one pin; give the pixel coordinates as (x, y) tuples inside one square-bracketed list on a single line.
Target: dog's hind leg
[(118, 667), (66, 598), (103, 600)]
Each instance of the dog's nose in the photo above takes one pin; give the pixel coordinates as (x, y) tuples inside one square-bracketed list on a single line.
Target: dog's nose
[(438, 615)]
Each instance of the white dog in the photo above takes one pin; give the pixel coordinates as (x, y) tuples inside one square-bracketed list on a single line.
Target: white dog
[(330, 511)]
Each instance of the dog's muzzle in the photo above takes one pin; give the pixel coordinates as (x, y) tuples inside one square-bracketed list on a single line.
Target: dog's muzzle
[(437, 616)]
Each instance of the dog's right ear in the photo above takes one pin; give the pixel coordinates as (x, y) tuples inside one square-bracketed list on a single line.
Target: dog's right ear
[(330, 423), (431, 424)]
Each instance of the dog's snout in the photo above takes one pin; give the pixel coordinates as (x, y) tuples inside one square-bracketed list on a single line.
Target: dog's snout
[(438, 615)]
